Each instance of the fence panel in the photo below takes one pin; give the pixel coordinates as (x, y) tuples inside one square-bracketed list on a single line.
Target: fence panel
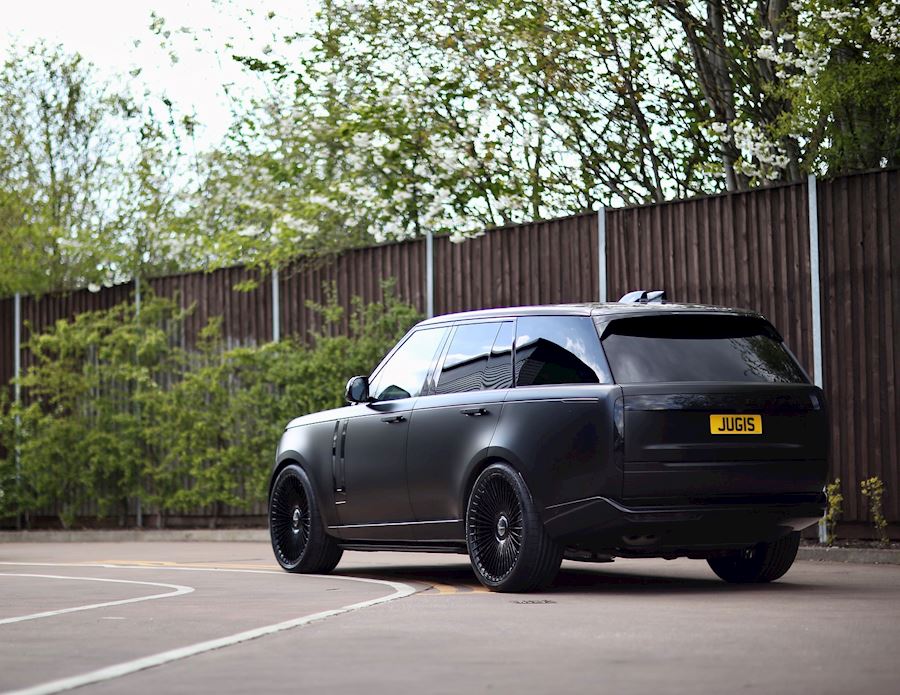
[(7, 358), (859, 237), (748, 249)]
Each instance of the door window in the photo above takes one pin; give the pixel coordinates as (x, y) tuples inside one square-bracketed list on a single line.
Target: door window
[(468, 358), (559, 350), (403, 375)]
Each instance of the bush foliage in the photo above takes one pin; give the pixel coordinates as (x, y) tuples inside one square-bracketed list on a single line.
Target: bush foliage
[(116, 410)]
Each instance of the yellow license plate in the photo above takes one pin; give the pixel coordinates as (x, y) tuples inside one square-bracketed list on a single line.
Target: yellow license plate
[(735, 424)]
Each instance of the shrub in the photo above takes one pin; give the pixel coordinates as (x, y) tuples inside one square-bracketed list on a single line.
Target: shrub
[(116, 411), (873, 489), (834, 510), (80, 437), (222, 421)]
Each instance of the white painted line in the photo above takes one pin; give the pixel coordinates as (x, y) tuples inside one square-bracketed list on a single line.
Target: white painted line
[(125, 668), (177, 590)]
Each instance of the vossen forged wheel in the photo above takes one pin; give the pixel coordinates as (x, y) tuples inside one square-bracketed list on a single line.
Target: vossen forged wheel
[(298, 535)]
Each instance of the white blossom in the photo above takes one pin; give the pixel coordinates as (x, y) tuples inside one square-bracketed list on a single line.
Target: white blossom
[(767, 53)]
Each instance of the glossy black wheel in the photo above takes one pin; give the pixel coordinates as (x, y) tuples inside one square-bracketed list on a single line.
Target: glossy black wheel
[(298, 535), (508, 545)]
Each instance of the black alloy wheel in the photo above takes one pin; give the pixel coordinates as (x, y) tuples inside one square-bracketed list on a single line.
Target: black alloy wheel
[(495, 527), (298, 535), (764, 562), (508, 545)]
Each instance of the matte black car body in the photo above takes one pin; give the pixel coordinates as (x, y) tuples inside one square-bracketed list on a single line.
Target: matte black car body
[(613, 469)]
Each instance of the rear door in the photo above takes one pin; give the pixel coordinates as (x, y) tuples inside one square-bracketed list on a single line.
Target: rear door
[(557, 422), (715, 408), (453, 424)]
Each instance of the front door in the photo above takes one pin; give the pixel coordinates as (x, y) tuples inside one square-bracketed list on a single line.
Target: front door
[(375, 501)]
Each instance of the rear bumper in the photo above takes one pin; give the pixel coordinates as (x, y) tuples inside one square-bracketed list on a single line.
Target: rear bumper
[(601, 524)]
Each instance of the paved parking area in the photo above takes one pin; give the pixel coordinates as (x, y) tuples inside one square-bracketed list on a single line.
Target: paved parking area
[(221, 617)]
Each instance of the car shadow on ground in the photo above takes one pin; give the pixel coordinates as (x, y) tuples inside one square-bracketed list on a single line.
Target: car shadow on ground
[(590, 579)]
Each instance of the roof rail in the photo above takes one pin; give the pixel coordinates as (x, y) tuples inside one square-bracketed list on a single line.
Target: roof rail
[(644, 297)]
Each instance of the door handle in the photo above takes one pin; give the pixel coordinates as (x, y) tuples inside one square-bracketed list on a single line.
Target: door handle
[(393, 419), (474, 412)]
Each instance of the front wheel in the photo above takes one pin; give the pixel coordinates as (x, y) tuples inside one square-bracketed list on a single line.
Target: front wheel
[(295, 526), (508, 545), (764, 562)]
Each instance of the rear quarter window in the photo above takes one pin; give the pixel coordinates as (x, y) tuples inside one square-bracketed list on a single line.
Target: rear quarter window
[(655, 349), (559, 350)]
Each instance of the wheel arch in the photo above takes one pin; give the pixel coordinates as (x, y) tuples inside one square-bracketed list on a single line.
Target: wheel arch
[(285, 459), (325, 501), (478, 465)]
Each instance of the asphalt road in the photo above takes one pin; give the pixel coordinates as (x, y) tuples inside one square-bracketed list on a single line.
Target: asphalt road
[(221, 618)]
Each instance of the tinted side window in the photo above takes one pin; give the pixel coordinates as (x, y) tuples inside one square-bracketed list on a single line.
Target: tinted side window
[(404, 374), (559, 350), (657, 349), (467, 358)]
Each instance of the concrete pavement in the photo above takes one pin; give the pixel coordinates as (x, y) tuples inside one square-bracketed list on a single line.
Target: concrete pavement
[(634, 626)]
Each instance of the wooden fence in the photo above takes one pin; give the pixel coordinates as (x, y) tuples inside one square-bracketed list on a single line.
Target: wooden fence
[(748, 249)]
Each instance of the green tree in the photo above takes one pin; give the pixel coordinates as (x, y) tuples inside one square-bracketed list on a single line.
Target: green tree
[(89, 178), (839, 71), (401, 116)]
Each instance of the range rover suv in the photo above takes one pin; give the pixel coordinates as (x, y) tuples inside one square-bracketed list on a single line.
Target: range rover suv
[(525, 435)]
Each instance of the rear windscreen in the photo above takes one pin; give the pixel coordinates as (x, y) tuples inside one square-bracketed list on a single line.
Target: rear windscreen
[(656, 349)]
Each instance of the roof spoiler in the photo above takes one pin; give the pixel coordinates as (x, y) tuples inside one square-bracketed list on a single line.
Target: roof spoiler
[(644, 297)]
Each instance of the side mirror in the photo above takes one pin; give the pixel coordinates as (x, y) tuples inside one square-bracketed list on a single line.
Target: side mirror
[(357, 389)]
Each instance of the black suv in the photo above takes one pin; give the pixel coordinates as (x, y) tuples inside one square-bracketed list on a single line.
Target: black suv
[(525, 435)]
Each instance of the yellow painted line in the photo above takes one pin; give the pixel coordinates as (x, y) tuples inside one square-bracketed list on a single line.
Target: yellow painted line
[(444, 588), (457, 590)]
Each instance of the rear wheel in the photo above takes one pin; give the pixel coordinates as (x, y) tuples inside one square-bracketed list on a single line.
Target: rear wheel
[(298, 535), (764, 562), (508, 545)]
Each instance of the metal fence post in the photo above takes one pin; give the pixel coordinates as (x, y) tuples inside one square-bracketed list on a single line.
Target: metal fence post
[(17, 391), (276, 307), (812, 195), (601, 252), (429, 274), (814, 279)]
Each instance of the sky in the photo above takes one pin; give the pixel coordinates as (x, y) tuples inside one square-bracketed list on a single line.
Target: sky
[(115, 36)]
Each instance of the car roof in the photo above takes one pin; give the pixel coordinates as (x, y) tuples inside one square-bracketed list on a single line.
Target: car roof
[(603, 310)]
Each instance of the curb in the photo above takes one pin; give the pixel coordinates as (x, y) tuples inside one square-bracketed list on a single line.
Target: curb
[(865, 556), (135, 535)]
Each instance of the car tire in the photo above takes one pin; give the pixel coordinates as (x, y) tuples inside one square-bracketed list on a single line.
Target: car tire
[(764, 562), (508, 545), (296, 529)]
